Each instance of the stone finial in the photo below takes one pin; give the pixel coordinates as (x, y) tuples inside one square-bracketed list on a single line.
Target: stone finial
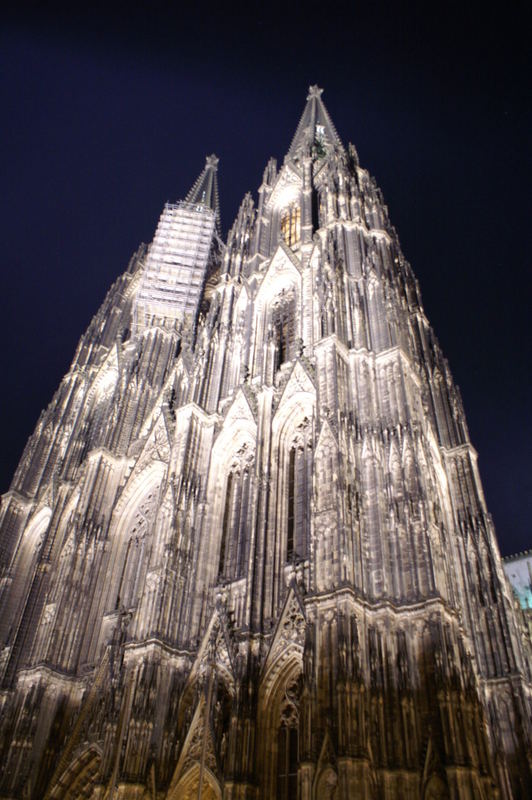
[(314, 91)]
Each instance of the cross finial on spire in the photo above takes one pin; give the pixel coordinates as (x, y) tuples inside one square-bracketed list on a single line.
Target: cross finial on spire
[(314, 91)]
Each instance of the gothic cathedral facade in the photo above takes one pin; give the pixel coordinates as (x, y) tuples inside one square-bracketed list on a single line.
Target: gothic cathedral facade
[(246, 553)]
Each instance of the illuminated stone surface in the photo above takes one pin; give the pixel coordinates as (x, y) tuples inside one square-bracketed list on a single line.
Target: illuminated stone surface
[(246, 553), (518, 568)]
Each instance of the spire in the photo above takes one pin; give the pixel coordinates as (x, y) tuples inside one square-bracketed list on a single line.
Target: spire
[(315, 126), (205, 189)]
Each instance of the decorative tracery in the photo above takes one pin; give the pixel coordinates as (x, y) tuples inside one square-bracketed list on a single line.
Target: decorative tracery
[(288, 744), (283, 327), (136, 555), (299, 485), (291, 225), (235, 522)]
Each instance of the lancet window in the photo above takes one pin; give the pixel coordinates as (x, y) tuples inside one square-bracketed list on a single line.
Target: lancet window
[(23, 568), (137, 552), (299, 486), (287, 747), (291, 225), (236, 516), (283, 321)]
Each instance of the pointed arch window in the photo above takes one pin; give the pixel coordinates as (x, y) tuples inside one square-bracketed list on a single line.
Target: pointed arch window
[(235, 520), (299, 486), (288, 746), (291, 225), (130, 584), (283, 321), (137, 550), (23, 570)]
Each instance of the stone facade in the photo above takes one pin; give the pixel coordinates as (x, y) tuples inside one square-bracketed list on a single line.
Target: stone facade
[(246, 553)]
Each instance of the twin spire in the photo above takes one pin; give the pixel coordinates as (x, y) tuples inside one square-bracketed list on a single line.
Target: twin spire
[(315, 130)]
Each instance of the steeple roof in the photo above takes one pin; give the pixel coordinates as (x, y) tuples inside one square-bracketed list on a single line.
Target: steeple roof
[(205, 189), (315, 126)]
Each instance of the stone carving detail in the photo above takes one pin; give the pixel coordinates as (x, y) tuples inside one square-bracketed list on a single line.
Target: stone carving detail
[(196, 748)]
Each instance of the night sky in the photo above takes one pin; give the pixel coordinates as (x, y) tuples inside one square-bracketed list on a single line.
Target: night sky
[(108, 113)]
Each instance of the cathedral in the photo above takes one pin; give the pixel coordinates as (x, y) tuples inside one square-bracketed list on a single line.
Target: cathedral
[(246, 552)]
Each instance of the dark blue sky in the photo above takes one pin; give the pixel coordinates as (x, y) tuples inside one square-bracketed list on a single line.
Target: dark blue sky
[(109, 112)]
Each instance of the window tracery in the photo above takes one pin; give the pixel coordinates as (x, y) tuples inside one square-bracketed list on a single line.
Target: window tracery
[(283, 327), (235, 525), (137, 552), (291, 225), (288, 744), (299, 485)]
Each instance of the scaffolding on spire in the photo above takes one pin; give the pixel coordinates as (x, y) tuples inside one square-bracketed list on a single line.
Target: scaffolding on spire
[(178, 257)]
